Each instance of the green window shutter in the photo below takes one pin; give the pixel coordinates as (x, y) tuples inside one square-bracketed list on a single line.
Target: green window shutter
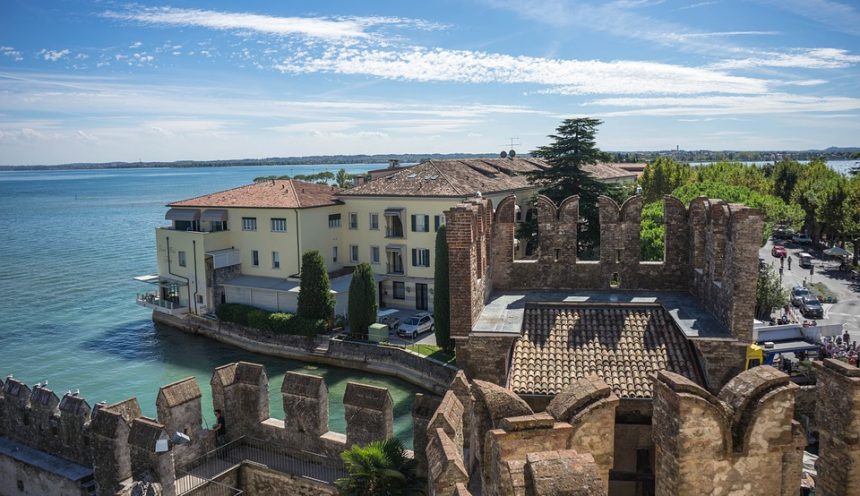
[(414, 256), (426, 223), (413, 222)]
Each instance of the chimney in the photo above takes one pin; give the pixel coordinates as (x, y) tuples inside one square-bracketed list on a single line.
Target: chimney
[(393, 163)]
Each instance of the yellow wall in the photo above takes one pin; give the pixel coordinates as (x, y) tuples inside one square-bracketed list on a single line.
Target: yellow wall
[(307, 229)]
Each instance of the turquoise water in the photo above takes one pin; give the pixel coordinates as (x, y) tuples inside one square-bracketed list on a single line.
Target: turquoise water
[(72, 241)]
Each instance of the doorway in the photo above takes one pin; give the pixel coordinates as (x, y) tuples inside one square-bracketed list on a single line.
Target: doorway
[(421, 296)]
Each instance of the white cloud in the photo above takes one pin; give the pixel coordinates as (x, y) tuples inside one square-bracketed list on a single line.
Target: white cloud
[(10, 52), (776, 103), (722, 34), (565, 76), (330, 28), (699, 4), (54, 55), (807, 58), (136, 44)]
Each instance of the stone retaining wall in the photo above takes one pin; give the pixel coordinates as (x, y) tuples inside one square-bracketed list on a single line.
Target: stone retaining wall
[(411, 367)]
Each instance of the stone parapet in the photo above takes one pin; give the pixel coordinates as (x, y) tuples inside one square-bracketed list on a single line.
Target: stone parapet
[(747, 431), (838, 418)]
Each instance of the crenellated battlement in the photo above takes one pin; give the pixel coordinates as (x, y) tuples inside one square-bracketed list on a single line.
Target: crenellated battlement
[(711, 251), (121, 447), (748, 428)]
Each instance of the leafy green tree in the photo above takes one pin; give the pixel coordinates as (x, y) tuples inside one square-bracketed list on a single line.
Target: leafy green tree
[(363, 302), (343, 179), (851, 221), (736, 174), (315, 298), (441, 294), (652, 232), (785, 175), (821, 193), (380, 468), (572, 146), (769, 294), (661, 177)]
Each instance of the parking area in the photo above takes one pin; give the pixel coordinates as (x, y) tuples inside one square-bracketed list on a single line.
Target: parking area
[(825, 270), (404, 314)]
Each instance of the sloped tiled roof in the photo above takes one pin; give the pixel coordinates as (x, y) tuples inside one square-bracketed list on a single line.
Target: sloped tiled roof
[(608, 171), (179, 392), (452, 178), (277, 193), (623, 344)]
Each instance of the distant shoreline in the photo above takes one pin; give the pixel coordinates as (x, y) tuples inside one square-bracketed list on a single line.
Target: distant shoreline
[(629, 157)]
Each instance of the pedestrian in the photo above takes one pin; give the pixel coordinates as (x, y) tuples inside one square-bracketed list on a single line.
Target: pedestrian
[(789, 263), (220, 428)]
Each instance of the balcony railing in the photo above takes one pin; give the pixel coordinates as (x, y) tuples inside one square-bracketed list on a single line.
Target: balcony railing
[(394, 269), (152, 300), (393, 233)]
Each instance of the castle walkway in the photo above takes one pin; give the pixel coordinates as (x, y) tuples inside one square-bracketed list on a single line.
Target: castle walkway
[(211, 467)]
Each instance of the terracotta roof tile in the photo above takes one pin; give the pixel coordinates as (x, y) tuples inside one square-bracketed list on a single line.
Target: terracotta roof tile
[(179, 392), (277, 193), (451, 178), (621, 344), (608, 171)]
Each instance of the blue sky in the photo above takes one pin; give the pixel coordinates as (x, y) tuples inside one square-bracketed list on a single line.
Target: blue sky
[(105, 80)]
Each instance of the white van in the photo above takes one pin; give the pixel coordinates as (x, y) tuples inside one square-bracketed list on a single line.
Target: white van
[(805, 259)]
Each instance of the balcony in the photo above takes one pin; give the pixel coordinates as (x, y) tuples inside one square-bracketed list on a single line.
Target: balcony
[(394, 269), (153, 301), (396, 233)]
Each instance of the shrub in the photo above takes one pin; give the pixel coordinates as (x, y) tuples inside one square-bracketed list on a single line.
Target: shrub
[(362, 300), (315, 298), (278, 323), (259, 319)]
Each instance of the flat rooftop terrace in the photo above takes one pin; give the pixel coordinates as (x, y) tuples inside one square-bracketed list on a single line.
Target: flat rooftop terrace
[(504, 313)]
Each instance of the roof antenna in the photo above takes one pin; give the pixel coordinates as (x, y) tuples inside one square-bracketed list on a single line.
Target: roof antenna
[(512, 141)]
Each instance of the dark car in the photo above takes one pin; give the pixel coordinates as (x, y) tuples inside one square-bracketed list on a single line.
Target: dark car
[(811, 308)]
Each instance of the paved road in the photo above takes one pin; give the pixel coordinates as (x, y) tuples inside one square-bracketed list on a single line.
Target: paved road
[(847, 310)]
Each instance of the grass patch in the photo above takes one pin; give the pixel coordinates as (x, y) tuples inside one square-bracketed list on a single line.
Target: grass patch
[(822, 292), (434, 352)]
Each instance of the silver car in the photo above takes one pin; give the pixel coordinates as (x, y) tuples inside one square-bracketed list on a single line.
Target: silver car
[(798, 293), (415, 325)]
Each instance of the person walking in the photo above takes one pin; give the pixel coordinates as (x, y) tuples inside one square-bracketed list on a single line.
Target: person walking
[(789, 263), (220, 429)]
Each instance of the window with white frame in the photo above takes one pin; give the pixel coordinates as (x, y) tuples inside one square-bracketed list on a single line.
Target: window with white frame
[(420, 223), (334, 221), (353, 220), (420, 257), (279, 225), (374, 221), (182, 259), (374, 254), (255, 258), (276, 260), (249, 223), (353, 253)]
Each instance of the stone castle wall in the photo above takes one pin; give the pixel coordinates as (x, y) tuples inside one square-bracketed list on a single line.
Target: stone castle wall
[(711, 251)]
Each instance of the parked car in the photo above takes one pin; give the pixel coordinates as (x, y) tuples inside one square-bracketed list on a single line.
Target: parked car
[(810, 307), (415, 325), (389, 317), (778, 251), (801, 239), (798, 293), (783, 232)]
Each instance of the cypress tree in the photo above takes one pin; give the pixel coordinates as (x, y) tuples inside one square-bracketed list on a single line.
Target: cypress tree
[(315, 298), (441, 297), (362, 299)]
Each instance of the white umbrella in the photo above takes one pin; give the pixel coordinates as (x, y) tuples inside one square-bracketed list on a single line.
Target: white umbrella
[(836, 251)]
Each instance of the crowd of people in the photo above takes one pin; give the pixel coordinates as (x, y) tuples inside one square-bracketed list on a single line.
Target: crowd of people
[(841, 348)]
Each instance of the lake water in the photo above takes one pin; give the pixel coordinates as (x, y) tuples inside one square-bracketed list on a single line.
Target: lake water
[(73, 240)]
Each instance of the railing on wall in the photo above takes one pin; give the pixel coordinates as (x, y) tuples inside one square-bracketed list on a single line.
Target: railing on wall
[(203, 470)]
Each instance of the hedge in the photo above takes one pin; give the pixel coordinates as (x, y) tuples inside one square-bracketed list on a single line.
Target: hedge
[(277, 323)]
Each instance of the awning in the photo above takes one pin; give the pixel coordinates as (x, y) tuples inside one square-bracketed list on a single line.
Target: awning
[(398, 248), (185, 214), (393, 212), (149, 278), (214, 215), (157, 279)]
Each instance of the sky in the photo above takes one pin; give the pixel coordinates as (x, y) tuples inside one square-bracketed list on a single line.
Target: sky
[(100, 80)]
